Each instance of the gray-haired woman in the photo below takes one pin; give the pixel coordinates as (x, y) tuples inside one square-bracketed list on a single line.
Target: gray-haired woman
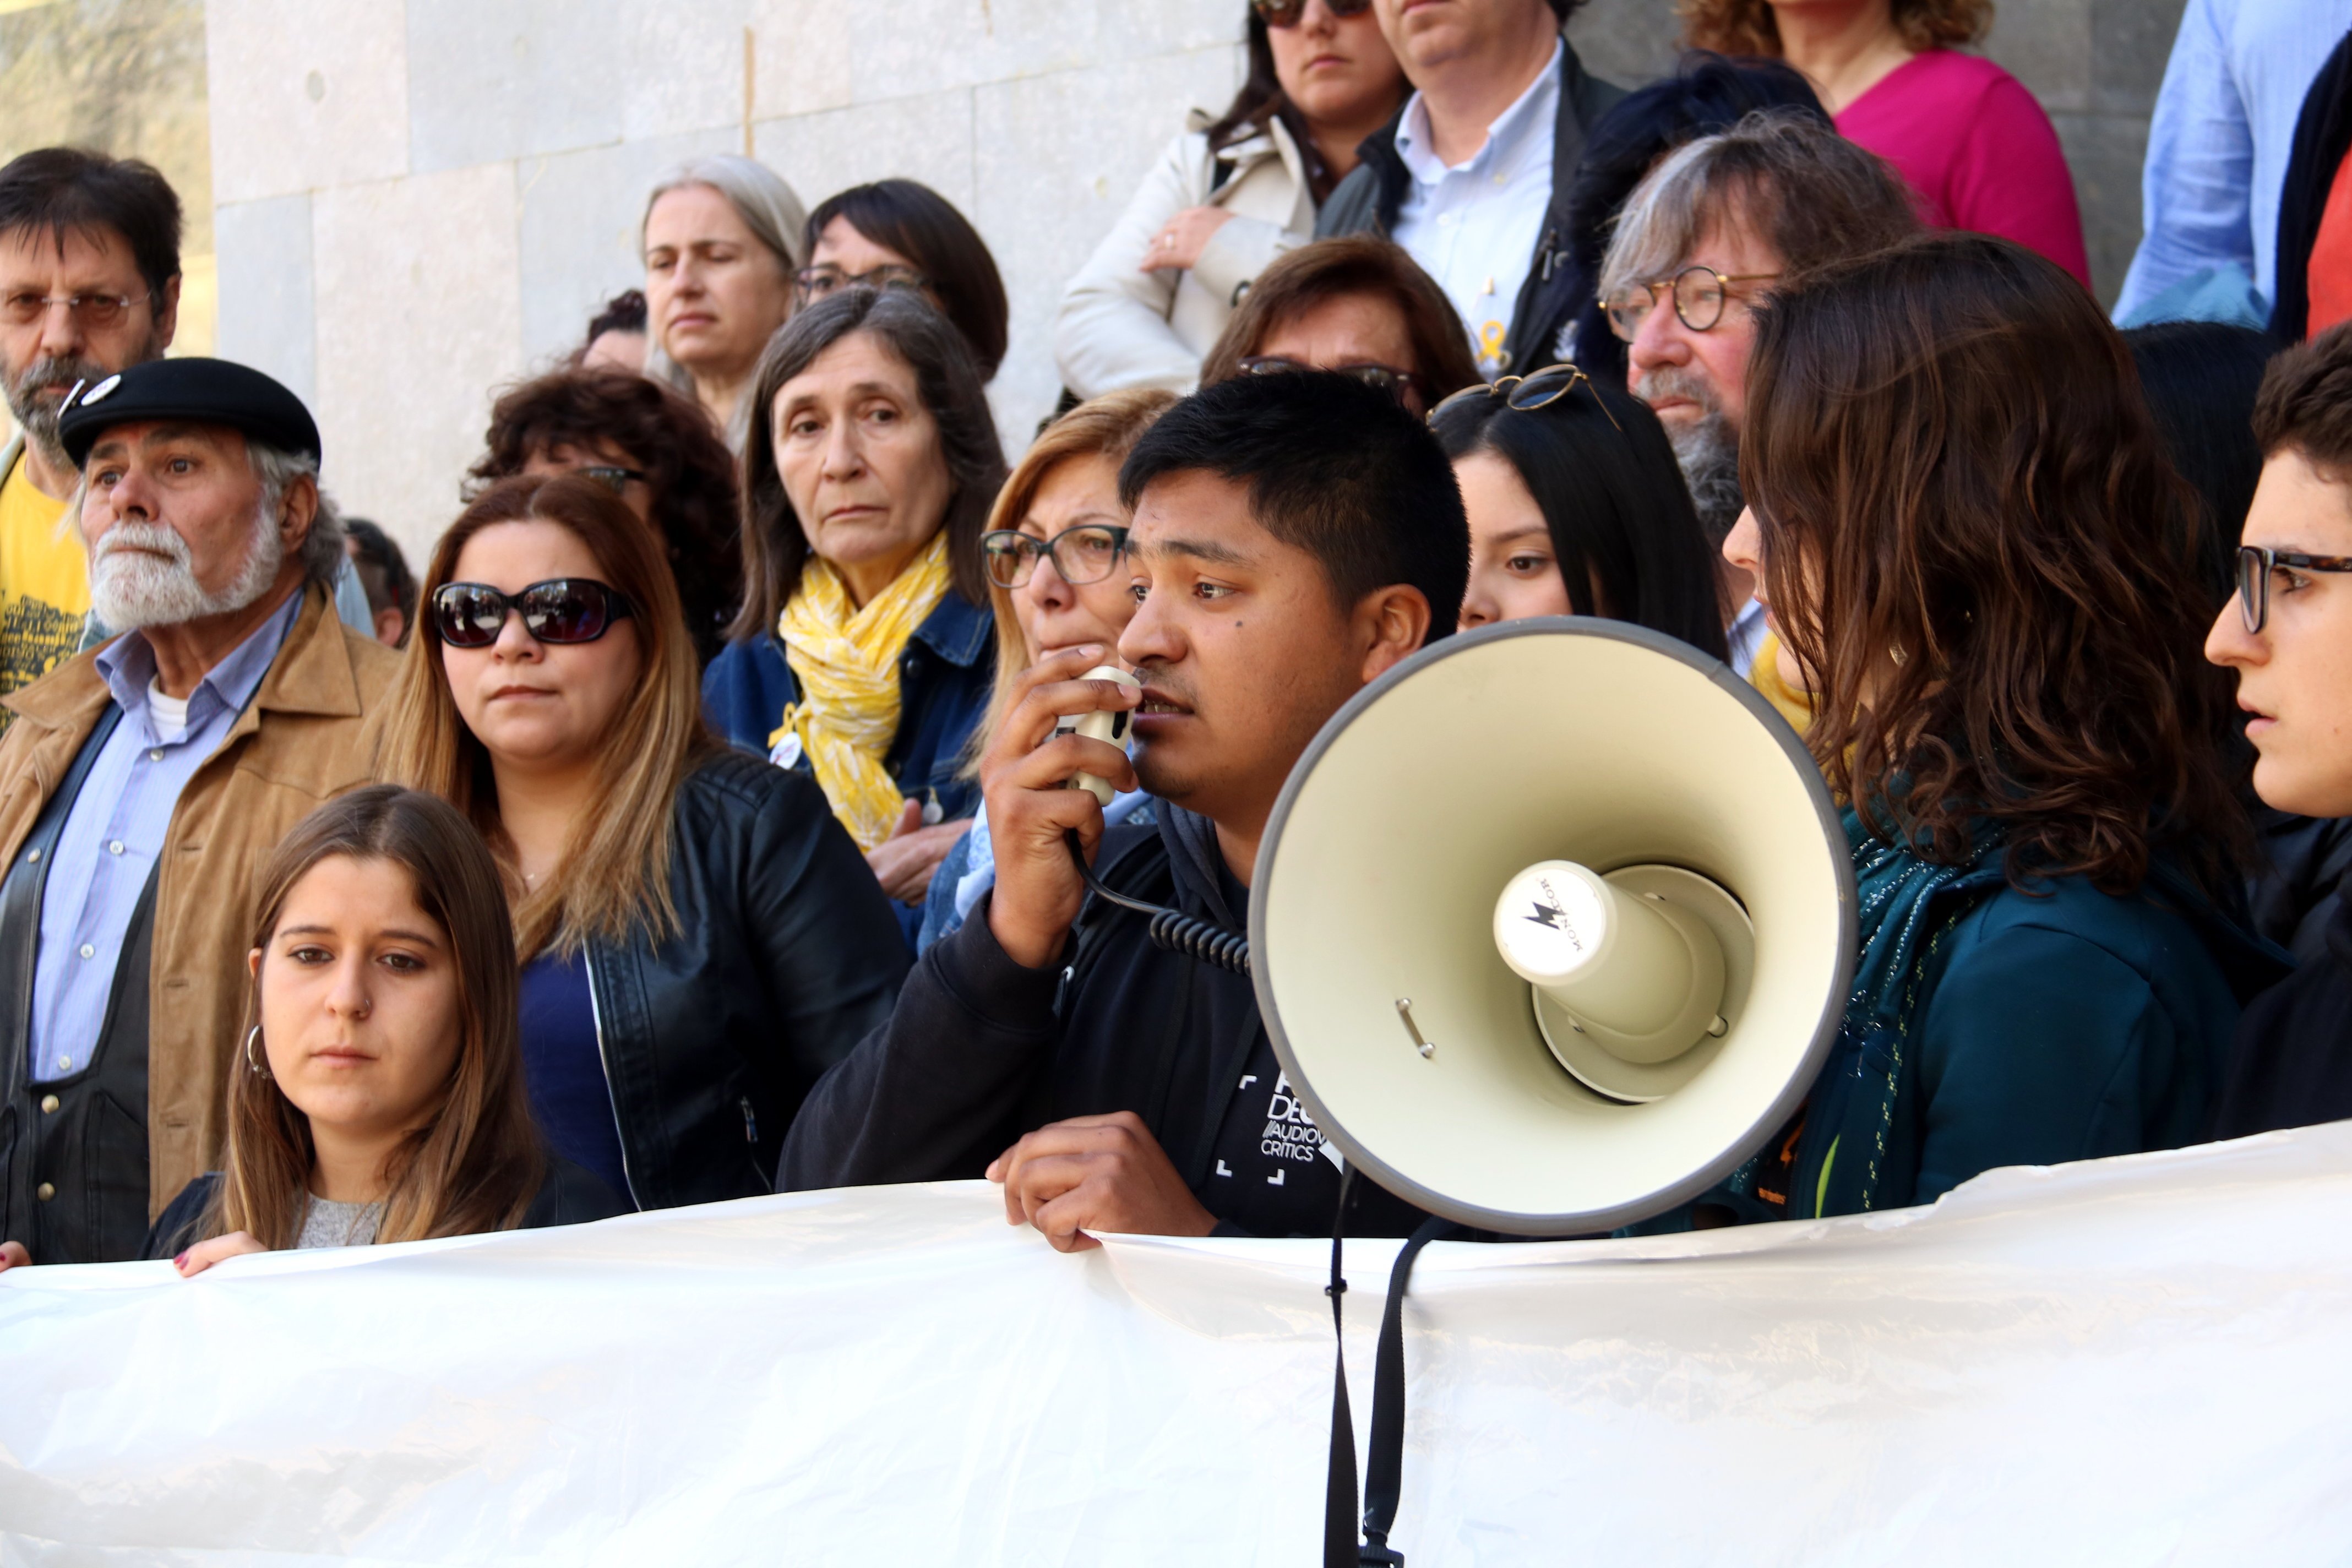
[(721, 238)]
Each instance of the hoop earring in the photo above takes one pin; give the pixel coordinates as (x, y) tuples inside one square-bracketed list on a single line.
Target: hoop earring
[(253, 1063)]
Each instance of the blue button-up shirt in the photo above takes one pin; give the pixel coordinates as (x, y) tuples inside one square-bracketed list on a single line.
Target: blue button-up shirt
[(114, 831)]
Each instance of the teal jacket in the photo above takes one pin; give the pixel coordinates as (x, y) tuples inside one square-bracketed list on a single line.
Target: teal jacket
[(1994, 1026)]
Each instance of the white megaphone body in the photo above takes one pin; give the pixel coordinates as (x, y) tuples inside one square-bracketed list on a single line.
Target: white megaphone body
[(1553, 925)]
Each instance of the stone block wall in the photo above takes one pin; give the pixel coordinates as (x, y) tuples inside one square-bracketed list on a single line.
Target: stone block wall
[(419, 200)]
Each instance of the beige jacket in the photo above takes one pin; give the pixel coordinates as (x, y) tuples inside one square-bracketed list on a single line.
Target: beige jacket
[(1120, 326), (296, 743)]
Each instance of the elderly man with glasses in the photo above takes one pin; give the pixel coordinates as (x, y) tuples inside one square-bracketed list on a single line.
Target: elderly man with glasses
[(1713, 229), (143, 785)]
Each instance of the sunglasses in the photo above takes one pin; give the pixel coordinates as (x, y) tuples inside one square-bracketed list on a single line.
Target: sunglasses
[(559, 610), (2258, 568), (1086, 553), (1287, 13), (1536, 389), (1398, 383), (816, 282), (1698, 294)]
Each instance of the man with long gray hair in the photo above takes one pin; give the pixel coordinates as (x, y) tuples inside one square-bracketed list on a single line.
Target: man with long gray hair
[(1712, 229), (143, 782)]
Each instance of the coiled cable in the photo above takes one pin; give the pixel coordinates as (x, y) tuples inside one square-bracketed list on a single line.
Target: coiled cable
[(1173, 931)]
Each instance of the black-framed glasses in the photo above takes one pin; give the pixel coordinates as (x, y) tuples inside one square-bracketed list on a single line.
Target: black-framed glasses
[(25, 307), (1086, 553), (559, 610), (2258, 567), (1698, 293), (1287, 13), (1398, 383), (816, 282), (611, 475), (1536, 389)]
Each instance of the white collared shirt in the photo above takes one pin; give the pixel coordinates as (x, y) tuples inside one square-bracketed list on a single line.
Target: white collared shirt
[(1475, 227)]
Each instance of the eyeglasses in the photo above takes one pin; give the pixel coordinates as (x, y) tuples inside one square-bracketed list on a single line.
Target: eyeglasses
[(1086, 553), (1285, 13), (816, 282), (1396, 382), (1698, 295), (2256, 568), (1536, 389), (615, 479), (559, 610), (100, 311)]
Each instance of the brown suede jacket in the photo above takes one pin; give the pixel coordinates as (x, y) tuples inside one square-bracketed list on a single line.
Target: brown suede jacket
[(298, 743)]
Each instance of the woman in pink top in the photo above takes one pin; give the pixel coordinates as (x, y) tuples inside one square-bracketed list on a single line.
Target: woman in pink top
[(1965, 133)]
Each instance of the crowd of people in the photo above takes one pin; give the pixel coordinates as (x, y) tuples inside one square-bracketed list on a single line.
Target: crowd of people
[(697, 824)]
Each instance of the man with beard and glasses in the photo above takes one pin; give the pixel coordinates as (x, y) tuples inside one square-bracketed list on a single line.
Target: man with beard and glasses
[(1294, 536), (1719, 223), (89, 285), (143, 782)]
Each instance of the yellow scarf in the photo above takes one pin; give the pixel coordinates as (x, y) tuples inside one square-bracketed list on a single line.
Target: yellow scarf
[(1764, 675), (846, 661)]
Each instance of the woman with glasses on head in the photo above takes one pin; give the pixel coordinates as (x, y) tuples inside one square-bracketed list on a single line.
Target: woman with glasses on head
[(700, 939), (896, 234), (1955, 499), (653, 450), (1356, 305), (1057, 554), (1228, 196), (721, 240), (1577, 507), (862, 653)]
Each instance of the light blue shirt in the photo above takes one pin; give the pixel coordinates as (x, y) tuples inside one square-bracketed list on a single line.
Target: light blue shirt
[(115, 829), (1744, 636), (1474, 227), (2219, 141)]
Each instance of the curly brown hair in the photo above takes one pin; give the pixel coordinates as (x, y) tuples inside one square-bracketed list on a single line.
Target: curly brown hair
[(1977, 552), (667, 437), (1748, 27)]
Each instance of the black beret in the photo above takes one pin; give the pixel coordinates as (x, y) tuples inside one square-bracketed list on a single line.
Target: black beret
[(199, 391)]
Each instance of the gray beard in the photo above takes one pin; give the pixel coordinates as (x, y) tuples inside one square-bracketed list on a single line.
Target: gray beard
[(1709, 454), (129, 592), (37, 415)]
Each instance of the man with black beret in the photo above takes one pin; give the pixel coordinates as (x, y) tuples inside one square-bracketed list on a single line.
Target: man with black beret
[(144, 784)]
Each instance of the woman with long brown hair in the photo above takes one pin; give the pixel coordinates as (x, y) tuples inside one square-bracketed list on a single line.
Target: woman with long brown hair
[(1969, 540), (381, 1097), (700, 937)]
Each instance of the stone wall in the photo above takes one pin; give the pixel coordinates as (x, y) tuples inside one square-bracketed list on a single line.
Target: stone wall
[(419, 200)]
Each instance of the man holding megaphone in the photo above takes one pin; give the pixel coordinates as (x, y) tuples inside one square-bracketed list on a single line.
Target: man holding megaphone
[(1294, 537)]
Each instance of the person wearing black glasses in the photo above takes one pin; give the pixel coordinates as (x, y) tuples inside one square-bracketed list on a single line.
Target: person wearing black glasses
[(2288, 634), (897, 234), (700, 939), (1057, 573), (1227, 197)]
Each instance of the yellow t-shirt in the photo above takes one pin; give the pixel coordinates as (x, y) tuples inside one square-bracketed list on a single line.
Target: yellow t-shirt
[(43, 583)]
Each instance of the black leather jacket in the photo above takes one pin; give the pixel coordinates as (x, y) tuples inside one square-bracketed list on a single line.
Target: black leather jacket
[(787, 955)]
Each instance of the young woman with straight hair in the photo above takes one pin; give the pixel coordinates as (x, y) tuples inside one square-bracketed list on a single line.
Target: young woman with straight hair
[(1963, 525), (380, 1096), (700, 939)]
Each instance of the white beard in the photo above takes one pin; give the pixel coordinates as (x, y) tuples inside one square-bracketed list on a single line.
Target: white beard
[(130, 590)]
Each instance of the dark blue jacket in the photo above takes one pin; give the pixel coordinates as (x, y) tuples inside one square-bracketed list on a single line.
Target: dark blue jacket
[(944, 679)]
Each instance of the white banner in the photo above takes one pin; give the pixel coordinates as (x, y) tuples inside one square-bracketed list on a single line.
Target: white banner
[(2138, 1361)]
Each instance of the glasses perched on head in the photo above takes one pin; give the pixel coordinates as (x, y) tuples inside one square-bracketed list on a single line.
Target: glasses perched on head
[(559, 610), (2258, 568), (816, 282), (1401, 384), (1536, 389), (25, 307), (611, 475), (1086, 553), (1698, 293), (1287, 13)]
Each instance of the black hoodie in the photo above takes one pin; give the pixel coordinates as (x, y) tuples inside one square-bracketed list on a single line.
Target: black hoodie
[(981, 1050)]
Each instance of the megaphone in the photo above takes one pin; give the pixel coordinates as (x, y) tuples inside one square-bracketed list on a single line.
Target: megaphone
[(1552, 926)]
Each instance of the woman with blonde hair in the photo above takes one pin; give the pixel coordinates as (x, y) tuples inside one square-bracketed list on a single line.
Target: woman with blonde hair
[(701, 938), (381, 1097), (1057, 554)]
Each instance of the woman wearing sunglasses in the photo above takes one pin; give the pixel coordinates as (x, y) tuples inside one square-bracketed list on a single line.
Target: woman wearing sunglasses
[(1057, 571), (1953, 483), (2288, 634), (700, 938), (1229, 195), (1577, 507)]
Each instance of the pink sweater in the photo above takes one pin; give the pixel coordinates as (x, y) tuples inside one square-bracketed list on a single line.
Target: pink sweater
[(1977, 149)]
